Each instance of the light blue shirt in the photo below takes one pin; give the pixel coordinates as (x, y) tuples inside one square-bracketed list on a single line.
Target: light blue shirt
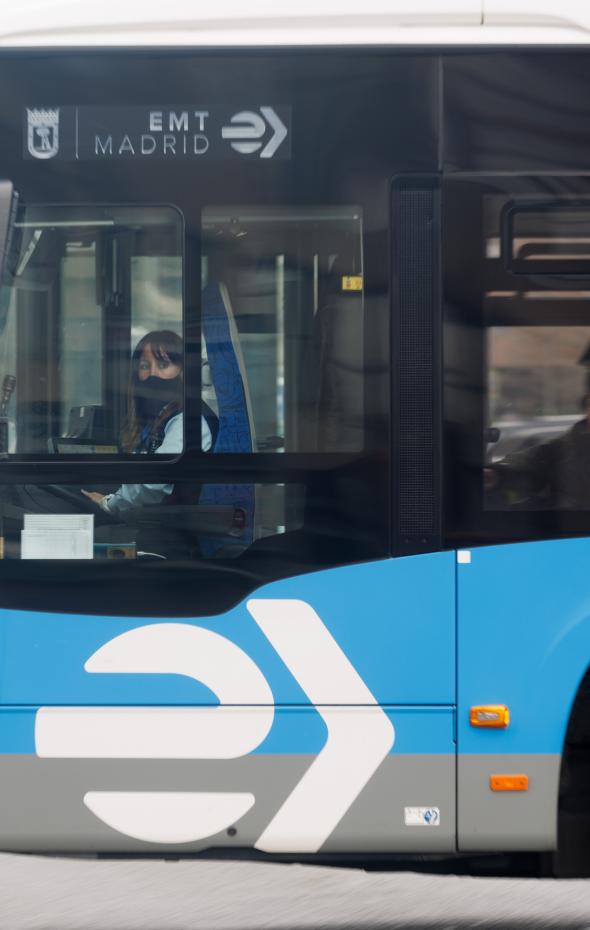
[(137, 495)]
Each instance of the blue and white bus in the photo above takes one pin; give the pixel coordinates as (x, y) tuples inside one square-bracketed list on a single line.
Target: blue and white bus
[(332, 601)]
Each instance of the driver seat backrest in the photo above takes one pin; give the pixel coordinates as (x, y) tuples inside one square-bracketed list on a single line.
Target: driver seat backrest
[(235, 432)]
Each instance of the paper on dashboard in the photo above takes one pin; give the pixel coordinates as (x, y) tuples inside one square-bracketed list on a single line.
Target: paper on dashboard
[(57, 536)]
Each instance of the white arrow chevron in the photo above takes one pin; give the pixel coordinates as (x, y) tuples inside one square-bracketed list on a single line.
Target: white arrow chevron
[(280, 132), (359, 737)]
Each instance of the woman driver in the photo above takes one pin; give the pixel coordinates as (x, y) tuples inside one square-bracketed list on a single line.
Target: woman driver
[(154, 420)]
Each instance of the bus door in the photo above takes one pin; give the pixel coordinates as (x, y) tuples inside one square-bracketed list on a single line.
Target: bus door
[(221, 646), (517, 346)]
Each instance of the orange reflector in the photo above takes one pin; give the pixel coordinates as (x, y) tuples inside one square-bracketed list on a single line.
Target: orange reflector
[(509, 782), (489, 715)]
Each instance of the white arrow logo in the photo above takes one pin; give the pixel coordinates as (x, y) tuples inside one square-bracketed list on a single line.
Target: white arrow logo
[(248, 128), (360, 735)]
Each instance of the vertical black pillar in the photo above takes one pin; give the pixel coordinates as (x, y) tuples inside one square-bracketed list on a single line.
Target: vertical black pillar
[(417, 367)]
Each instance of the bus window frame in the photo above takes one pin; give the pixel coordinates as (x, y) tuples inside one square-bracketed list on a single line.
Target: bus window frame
[(519, 266), (32, 468), (467, 522)]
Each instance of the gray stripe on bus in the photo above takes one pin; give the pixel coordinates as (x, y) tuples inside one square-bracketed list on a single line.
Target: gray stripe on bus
[(42, 809), (42, 805)]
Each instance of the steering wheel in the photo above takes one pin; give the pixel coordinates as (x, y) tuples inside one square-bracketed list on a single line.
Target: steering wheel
[(78, 500)]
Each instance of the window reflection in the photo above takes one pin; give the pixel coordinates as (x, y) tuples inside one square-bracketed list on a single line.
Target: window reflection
[(83, 285), (537, 440), (94, 312), (292, 282)]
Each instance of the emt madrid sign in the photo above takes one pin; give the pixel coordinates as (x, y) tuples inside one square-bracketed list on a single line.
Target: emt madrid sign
[(144, 133)]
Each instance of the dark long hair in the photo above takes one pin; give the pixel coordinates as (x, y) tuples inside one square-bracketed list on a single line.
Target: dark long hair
[(164, 345)]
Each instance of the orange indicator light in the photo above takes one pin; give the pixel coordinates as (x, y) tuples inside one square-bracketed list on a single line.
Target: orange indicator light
[(509, 782), (489, 715)]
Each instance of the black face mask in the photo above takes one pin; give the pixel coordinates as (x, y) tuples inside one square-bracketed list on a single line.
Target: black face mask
[(153, 394)]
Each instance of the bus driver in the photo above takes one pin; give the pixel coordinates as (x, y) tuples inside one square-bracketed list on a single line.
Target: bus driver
[(154, 417)]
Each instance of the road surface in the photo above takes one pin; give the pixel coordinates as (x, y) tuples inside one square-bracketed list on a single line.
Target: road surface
[(53, 894)]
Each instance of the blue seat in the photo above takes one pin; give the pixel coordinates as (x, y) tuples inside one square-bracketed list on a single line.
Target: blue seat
[(235, 423)]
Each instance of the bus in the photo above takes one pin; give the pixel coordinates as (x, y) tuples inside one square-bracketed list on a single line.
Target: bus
[(330, 600)]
